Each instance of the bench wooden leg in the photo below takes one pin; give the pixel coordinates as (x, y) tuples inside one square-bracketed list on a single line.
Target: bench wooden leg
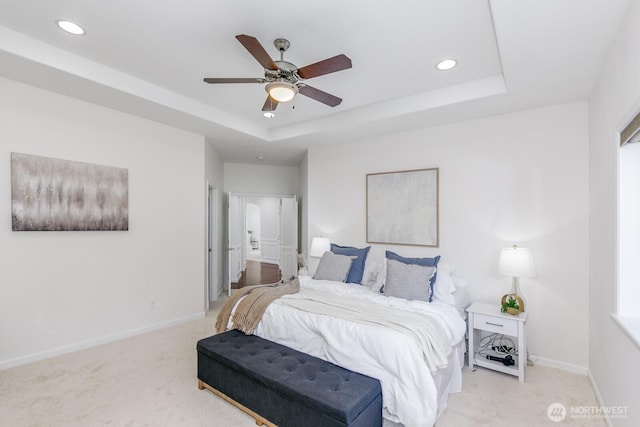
[(261, 421)]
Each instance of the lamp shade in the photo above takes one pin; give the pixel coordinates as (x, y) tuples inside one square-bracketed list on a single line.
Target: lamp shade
[(319, 245), (516, 262)]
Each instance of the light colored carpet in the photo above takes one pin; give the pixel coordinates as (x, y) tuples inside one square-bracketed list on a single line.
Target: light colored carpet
[(150, 380)]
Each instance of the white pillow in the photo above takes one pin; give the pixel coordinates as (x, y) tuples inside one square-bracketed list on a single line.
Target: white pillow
[(373, 276), (444, 288), (449, 269)]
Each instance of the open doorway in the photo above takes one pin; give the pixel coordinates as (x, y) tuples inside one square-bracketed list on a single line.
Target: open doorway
[(262, 238), (254, 230)]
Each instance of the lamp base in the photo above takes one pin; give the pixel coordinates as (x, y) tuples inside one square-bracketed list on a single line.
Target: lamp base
[(514, 309)]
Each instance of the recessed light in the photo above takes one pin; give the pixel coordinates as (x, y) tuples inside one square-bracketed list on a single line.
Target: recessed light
[(260, 157), (71, 27), (446, 64), (269, 114)]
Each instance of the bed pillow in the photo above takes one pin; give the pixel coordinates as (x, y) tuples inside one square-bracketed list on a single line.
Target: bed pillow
[(333, 267), (373, 276), (425, 262), (443, 288), (408, 281), (357, 268)]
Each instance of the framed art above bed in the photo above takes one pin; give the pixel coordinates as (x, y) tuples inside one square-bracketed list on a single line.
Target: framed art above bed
[(402, 207)]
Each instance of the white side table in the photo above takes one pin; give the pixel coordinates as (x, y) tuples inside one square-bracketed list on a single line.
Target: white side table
[(489, 318)]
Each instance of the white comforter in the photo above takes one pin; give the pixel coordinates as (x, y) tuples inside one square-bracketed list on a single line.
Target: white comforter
[(393, 355)]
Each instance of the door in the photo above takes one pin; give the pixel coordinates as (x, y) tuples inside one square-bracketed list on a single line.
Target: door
[(212, 290), (236, 249), (289, 236)]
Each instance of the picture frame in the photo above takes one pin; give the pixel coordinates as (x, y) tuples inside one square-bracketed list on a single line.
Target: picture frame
[(402, 207), (50, 194)]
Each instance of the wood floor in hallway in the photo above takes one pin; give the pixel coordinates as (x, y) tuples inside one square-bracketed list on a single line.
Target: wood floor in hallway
[(258, 273)]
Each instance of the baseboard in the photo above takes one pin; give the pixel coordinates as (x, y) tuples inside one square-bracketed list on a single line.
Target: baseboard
[(596, 391), (11, 363), (564, 366)]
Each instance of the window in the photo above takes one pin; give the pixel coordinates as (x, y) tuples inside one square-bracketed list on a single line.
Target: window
[(628, 311)]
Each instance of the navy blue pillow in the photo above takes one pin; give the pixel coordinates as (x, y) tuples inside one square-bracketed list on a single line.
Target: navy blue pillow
[(357, 267), (425, 262)]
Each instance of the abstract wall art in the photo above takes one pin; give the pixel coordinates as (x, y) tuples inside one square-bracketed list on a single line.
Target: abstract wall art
[(60, 195), (402, 207)]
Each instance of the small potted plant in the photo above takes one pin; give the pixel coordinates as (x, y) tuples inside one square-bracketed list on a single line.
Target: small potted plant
[(510, 305), (302, 265)]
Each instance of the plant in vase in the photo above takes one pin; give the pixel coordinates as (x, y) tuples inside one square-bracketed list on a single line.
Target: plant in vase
[(302, 265), (510, 306)]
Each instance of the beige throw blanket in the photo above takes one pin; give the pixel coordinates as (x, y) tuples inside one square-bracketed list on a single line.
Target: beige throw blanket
[(252, 304)]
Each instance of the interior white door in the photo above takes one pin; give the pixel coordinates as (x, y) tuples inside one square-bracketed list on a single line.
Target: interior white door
[(212, 269), (289, 236), (235, 238)]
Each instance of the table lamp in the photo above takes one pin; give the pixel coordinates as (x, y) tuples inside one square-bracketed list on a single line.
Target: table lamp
[(515, 262), (319, 245)]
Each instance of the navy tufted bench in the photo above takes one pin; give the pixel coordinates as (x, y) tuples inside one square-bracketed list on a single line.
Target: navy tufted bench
[(281, 386)]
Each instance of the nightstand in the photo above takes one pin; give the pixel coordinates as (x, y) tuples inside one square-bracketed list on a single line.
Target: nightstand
[(489, 319)]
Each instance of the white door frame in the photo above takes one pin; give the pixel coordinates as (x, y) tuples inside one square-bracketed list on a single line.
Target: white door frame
[(211, 285)]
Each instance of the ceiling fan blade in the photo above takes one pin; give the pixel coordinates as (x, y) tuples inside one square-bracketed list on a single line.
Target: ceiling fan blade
[(255, 48), (318, 95), (331, 65), (270, 104), (233, 80)]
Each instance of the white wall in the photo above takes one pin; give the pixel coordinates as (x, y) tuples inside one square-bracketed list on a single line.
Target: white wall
[(613, 357), (61, 291), (518, 178), (269, 216), (260, 179)]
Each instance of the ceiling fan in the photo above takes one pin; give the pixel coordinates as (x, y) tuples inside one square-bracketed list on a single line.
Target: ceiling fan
[(284, 80)]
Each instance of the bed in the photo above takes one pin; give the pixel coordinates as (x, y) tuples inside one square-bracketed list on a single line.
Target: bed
[(415, 348)]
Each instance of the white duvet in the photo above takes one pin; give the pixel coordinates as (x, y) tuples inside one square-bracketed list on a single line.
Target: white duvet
[(395, 356)]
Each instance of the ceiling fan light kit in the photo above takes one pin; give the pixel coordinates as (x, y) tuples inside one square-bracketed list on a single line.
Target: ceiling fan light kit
[(284, 80), (281, 91)]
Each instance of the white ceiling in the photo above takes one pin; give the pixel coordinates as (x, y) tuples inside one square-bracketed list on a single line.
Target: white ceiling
[(149, 57)]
